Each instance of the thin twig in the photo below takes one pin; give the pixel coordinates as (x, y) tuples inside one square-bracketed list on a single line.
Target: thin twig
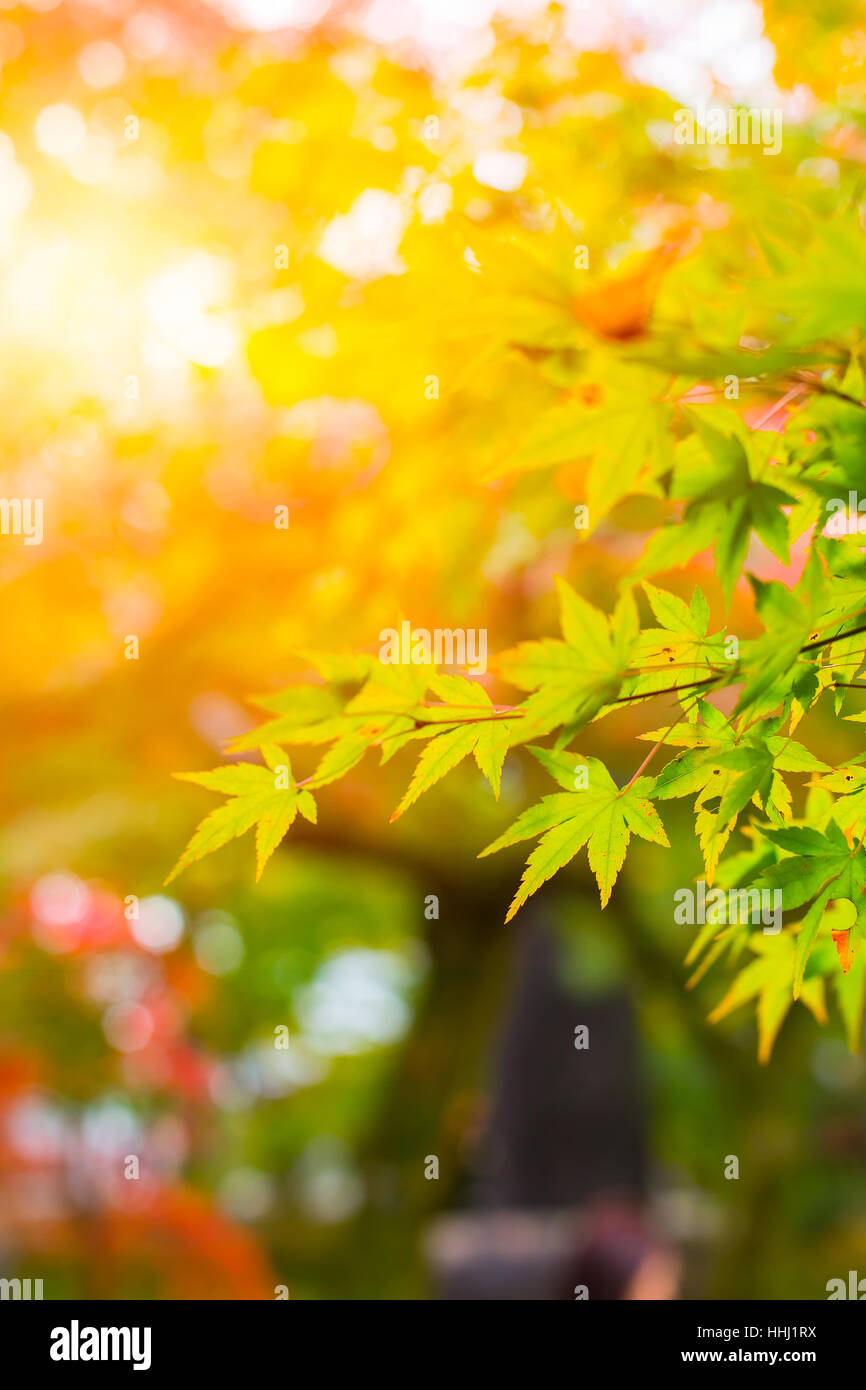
[(668, 690), (840, 637), (668, 731)]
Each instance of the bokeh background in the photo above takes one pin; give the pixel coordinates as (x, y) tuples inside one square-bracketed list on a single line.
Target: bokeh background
[(236, 242)]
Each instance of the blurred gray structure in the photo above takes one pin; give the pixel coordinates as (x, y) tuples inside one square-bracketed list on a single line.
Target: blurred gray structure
[(567, 1126)]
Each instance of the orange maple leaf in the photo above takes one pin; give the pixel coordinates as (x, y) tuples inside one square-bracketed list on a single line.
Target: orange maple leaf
[(842, 942), (621, 307)]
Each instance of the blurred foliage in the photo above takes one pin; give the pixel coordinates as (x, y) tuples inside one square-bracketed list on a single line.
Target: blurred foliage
[(231, 263)]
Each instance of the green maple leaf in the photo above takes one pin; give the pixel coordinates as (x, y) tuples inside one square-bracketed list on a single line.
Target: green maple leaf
[(626, 438), (599, 816), (768, 980), (820, 867), (671, 547), (572, 680), (737, 871), (725, 477), (721, 765), (313, 715), (264, 797), (441, 754), (484, 733), (679, 647), (493, 741), (851, 995), (771, 660), (627, 441), (734, 479), (821, 292), (389, 712), (849, 809)]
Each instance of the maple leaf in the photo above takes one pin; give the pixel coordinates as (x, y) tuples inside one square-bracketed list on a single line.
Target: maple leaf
[(723, 766), (574, 679), (848, 811), (600, 816), (738, 871), (723, 477), (442, 754), (466, 722), (389, 712), (819, 867), (623, 432), (775, 675), (680, 646), (620, 307), (264, 797), (850, 989), (768, 980)]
